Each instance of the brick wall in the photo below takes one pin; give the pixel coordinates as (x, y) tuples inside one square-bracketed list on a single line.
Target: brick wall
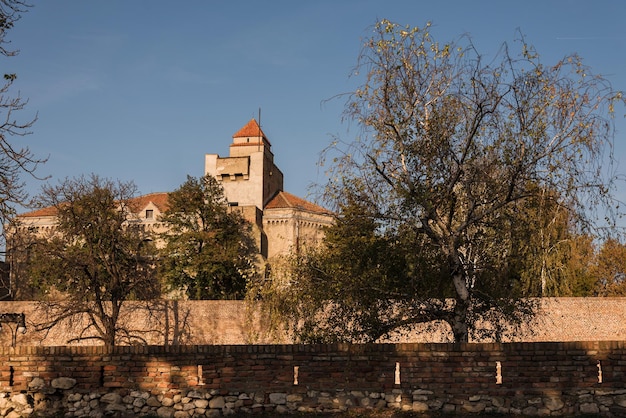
[(551, 378), (235, 322)]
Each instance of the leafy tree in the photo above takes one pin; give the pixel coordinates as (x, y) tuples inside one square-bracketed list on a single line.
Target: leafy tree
[(95, 259), (21, 239), (14, 160), (551, 257), (610, 269), (567, 268), (455, 151), (209, 251)]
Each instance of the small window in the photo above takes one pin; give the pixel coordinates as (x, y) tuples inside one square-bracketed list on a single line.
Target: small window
[(149, 214)]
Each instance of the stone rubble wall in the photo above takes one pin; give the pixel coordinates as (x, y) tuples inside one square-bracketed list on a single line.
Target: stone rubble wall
[(214, 404), (542, 379)]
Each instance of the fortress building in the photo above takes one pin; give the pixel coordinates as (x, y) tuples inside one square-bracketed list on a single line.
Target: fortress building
[(253, 185)]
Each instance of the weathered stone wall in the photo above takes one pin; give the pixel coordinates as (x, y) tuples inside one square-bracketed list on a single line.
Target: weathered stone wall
[(234, 322), (553, 378)]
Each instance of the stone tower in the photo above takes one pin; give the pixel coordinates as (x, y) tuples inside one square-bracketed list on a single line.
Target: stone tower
[(253, 185), (248, 175)]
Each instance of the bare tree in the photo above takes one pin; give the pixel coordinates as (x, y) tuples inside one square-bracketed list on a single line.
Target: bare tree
[(15, 160)]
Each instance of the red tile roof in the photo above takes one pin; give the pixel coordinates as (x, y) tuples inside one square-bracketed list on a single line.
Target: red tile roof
[(284, 200), (251, 129), (49, 211), (159, 200)]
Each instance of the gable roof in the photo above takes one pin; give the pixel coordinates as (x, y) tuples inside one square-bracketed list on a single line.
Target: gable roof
[(158, 199), (251, 129), (284, 200)]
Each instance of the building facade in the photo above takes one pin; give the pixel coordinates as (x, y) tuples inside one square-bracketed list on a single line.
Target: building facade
[(253, 185)]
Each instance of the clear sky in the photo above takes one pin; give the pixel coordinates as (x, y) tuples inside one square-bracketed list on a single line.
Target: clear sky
[(141, 90)]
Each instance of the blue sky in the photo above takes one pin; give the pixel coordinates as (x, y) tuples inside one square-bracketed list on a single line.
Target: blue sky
[(140, 90)]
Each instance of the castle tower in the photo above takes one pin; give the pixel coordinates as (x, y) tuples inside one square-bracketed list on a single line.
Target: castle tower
[(248, 175)]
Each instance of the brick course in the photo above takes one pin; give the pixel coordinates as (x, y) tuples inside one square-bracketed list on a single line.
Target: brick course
[(548, 378)]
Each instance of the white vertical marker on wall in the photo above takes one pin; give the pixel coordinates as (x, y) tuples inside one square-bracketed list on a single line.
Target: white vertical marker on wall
[(498, 373), (296, 369), (599, 372), (200, 380), (397, 381)]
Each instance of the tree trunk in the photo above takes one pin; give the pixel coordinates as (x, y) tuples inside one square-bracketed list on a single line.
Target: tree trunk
[(110, 323), (460, 327), (109, 340)]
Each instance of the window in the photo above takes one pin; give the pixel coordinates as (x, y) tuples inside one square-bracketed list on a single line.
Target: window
[(149, 214)]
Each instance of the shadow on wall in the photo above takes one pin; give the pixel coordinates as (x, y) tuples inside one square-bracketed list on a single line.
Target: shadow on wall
[(161, 322), (237, 322), (551, 378)]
